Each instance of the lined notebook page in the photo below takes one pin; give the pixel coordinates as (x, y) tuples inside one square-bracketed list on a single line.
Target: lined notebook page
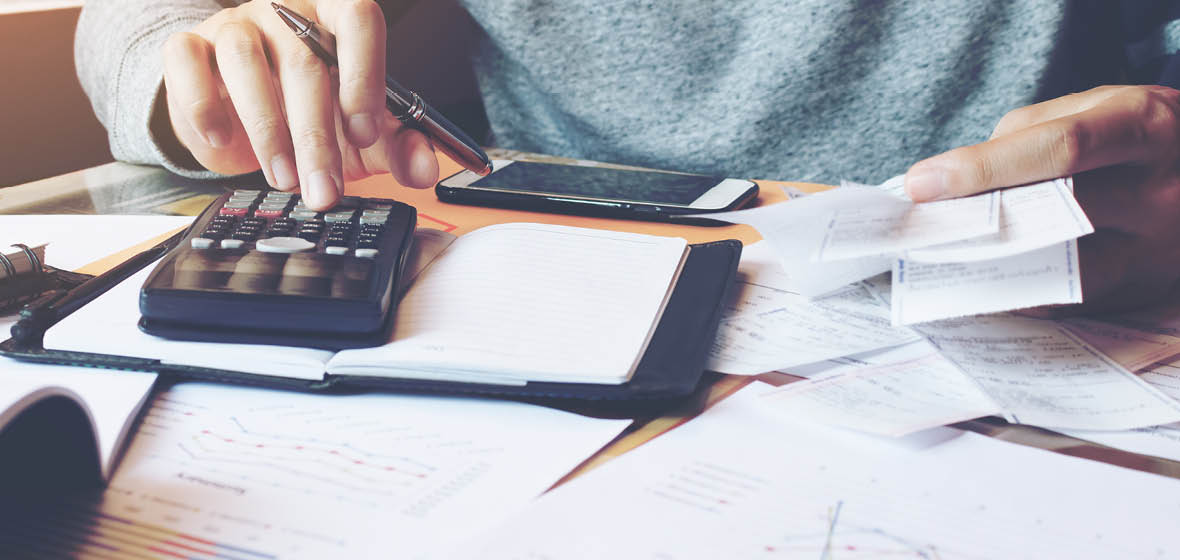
[(528, 302)]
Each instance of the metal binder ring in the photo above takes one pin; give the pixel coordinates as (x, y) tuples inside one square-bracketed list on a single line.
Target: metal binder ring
[(8, 267), (33, 260)]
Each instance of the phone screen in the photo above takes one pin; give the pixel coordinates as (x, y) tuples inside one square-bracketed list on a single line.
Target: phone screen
[(599, 182)]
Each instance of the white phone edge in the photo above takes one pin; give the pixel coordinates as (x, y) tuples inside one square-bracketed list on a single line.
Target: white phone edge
[(718, 197)]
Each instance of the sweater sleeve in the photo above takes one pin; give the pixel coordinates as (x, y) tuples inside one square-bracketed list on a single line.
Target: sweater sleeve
[(118, 53)]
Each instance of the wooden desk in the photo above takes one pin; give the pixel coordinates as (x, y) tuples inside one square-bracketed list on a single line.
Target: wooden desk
[(126, 189)]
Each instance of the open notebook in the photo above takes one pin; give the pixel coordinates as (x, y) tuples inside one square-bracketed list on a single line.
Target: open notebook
[(526, 309)]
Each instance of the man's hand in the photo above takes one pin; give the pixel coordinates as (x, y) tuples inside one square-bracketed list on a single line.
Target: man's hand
[(1122, 145), (243, 93)]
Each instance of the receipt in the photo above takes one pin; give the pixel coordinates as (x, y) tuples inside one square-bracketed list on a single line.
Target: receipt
[(1132, 348), (1040, 373), (1032, 217), (796, 228), (888, 229), (892, 393), (768, 326), (925, 292)]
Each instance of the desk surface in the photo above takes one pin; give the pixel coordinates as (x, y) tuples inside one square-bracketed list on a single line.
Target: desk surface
[(118, 188)]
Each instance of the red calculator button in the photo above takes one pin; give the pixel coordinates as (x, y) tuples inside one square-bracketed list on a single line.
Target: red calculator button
[(234, 211), (268, 213)]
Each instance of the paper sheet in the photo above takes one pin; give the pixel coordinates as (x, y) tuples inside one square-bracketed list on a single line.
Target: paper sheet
[(796, 228), (738, 483), (250, 473), (931, 291), (1132, 348), (1033, 217), (77, 240), (888, 229), (899, 392), (112, 398), (519, 302), (767, 326), (1164, 377), (1042, 374)]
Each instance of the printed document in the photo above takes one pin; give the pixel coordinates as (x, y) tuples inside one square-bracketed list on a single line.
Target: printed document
[(768, 326), (893, 393), (924, 292), (1042, 374), (738, 482), (233, 472)]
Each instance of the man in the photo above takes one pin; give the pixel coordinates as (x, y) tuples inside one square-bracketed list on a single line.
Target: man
[(808, 90)]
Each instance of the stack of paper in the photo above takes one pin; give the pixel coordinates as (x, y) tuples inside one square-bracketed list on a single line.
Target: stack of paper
[(996, 251), (866, 374)]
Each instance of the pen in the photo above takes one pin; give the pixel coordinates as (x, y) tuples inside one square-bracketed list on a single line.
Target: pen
[(406, 105), (47, 309)]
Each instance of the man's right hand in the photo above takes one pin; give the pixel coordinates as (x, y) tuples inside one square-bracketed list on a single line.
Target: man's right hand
[(244, 93)]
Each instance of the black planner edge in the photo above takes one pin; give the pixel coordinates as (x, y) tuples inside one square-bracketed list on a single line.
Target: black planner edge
[(671, 367)]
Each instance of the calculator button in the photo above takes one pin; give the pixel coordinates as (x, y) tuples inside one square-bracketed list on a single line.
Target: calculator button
[(237, 204), (226, 211), (378, 206), (202, 242), (336, 250), (374, 219), (284, 245), (366, 253), (253, 221), (302, 215), (336, 217), (366, 243), (232, 243), (269, 212)]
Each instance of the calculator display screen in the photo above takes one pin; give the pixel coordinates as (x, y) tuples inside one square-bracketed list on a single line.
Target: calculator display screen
[(254, 272), (599, 183)]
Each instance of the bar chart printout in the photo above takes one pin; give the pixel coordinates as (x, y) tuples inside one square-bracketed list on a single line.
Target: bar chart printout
[(741, 483), (246, 474)]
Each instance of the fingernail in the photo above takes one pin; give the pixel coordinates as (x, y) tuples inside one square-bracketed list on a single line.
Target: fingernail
[(363, 128), (321, 190), (283, 171), (217, 138), (928, 183)]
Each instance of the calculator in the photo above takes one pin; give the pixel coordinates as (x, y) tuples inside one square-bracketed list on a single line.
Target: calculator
[(260, 267)]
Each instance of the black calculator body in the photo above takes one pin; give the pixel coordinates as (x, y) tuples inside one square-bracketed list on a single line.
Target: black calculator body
[(259, 267)]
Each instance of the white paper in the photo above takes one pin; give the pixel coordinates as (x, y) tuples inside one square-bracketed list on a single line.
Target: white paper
[(1033, 217), (428, 245), (738, 483), (766, 326), (908, 389), (1042, 374), (512, 303), (77, 240), (108, 325), (1132, 348), (110, 398), (249, 473), (931, 291), (1157, 441), (1164, 377), (888, 229), (795, 229)]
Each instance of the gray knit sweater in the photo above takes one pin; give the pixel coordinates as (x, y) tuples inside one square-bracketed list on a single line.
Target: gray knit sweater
[(811, 90)]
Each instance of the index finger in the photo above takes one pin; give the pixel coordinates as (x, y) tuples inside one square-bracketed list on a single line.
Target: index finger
[(1137, 125)]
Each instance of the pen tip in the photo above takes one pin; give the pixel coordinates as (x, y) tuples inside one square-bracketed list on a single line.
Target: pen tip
[(275, 5)]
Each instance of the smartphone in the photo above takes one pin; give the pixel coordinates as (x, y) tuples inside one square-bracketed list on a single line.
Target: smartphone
[(596, 191)]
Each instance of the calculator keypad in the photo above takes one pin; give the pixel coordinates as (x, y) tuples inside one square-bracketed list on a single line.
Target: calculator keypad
[(249, 218)]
